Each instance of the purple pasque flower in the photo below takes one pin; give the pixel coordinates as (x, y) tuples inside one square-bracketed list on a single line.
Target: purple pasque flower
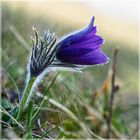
[(82, 47), (74, 52)]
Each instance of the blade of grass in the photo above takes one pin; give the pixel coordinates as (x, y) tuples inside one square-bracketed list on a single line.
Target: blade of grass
[(14, 85), (29, 120), (72, 116), (3, 122), (19, 37), (48, 109), (62, 107), (5, 112)]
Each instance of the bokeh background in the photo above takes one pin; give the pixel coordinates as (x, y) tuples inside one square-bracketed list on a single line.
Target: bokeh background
[(117, 23)]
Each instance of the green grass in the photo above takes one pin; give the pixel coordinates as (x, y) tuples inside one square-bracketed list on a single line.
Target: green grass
[(70, 110)]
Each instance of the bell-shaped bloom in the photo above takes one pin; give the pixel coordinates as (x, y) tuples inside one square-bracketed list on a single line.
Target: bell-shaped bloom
[(82, 47)]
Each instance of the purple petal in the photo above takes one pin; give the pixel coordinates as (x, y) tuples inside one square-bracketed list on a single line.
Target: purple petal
[(87, 36), (92, 58), (93, 41), (79, 34), (80, 48)]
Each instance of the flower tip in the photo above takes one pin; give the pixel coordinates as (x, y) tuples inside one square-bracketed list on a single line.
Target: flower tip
[(92, 20), (33, 28), (90, 26)]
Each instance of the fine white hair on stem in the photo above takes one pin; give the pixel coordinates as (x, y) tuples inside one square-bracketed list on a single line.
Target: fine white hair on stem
[(28, 75), (38, 80)]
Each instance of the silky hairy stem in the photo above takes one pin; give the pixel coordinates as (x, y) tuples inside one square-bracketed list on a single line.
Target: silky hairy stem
[(26, 93)]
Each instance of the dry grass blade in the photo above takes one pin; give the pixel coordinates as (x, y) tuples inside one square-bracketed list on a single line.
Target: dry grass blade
[(5, 112), (72, 116), (113, 90), (5, 123), (63, 108), (19, 37)]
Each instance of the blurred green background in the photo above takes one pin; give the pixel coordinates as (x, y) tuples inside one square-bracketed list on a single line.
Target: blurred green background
[(63, 17)]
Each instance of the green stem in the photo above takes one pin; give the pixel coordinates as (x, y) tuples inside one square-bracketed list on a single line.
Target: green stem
[(29, 120), (25, 96)]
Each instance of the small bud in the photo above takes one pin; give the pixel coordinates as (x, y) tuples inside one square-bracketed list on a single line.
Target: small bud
[(43, 52)]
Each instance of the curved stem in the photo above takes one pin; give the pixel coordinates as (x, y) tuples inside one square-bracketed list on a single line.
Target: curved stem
[(25, 96)]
